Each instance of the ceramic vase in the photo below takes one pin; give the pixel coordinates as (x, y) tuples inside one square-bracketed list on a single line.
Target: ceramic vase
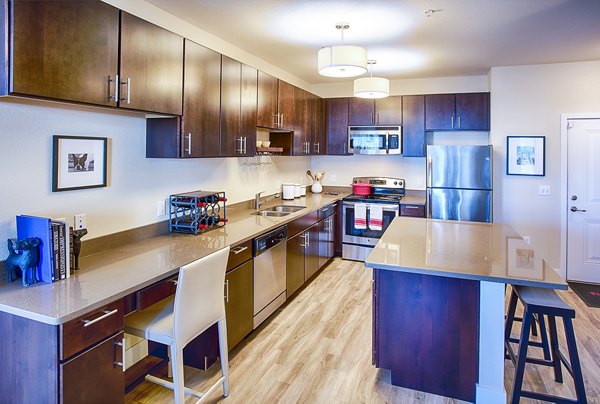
[(316, 187)]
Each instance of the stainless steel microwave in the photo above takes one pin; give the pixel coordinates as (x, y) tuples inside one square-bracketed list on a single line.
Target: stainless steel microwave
[(375, 139)]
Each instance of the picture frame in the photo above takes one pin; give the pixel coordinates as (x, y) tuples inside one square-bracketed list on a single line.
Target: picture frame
[(526, 155), (78, 162), (521, 261)]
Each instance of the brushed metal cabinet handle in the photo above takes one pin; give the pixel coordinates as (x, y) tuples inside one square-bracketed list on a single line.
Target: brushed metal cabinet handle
[(107, 313), (239, 249)]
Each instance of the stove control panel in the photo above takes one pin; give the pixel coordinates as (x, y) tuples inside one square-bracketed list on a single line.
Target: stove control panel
[(380, 182)]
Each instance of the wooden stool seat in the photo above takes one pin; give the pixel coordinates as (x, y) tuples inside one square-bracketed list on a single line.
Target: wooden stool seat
[(542, 302)]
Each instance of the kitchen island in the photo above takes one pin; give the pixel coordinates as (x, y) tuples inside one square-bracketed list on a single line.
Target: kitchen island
[(438, 303)]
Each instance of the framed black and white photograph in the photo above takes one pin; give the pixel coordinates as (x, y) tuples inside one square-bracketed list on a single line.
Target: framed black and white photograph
[(525, 155), (78, 162)]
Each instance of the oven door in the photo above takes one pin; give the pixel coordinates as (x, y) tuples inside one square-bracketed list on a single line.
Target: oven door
[(366, 236)]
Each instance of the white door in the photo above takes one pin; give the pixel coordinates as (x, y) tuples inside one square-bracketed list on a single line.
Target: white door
[(583, 187)]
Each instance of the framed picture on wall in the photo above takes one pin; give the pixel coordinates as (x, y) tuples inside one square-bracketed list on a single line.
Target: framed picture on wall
[(525, 155), (78, 162), (521, 260)]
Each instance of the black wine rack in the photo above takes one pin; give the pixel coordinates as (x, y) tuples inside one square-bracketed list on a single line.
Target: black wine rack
[(197, 211)]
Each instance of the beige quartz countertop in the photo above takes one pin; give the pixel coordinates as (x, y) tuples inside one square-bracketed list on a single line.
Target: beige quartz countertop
[(480, 251), (413, 200), (117, 272)]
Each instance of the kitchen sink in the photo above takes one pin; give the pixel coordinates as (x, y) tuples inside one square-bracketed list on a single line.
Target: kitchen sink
[(279, 210)]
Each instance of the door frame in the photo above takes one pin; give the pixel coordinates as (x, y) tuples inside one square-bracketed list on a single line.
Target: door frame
[(564, 163)]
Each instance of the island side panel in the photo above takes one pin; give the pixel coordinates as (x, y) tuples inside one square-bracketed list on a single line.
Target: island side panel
[(426, 331)]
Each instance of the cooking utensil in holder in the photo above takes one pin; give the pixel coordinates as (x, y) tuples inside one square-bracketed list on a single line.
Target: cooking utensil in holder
[(197, 211)]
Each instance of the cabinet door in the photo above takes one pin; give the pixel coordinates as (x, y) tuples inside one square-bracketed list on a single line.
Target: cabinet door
[(65, 50), (362, 111), (413, 128), (151, 67), (300, 125), (412, 210), (318, 123), (473, 111), (201, 101), (93, 376), (248, 109), (323, 241), (332, 238), (439, 112), (311, 254), (294, 263), (231, 83), (336, 135), (286, 104), (388, 111), (266, 114), (238, 303)]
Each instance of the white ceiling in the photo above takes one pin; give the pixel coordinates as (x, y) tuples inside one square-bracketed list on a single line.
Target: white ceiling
[(465, 37)]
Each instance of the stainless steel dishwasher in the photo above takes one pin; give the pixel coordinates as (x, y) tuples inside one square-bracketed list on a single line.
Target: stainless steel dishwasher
[(269, 273)]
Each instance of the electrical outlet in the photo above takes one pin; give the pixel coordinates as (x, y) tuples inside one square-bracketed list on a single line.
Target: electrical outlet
[(527, 239), (332, 178), (544, 190), (80, 221), (161, 208)]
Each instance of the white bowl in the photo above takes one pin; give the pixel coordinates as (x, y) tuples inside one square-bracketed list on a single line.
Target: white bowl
[(266, 143), (258, 143)]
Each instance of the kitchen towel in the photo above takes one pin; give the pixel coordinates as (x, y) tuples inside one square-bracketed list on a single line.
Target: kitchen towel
[(376, 217), (360, 216)]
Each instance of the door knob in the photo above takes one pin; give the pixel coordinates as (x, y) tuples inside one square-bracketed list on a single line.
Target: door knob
[(574, 209), (573, 197)]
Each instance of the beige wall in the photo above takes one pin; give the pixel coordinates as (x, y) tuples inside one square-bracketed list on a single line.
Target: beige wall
[(528, 101)]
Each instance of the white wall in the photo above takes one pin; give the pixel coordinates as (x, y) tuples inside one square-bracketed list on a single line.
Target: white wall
[(528, 100), (136, 183)]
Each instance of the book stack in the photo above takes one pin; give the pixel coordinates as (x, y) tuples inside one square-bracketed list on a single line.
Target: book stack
[(56, 245)]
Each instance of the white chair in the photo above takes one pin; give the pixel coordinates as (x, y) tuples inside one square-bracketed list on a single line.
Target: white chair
[(198, 304)]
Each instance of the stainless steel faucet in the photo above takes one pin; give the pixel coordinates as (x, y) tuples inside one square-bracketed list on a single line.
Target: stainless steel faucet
[(258, 202)]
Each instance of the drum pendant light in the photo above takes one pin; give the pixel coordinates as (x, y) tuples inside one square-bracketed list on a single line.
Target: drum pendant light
[(343, 60), (371, 87)]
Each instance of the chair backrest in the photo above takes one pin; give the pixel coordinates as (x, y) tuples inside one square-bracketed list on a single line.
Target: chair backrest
[(199, 299)]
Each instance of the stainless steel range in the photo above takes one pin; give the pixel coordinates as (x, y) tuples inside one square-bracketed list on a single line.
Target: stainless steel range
[(386, 193)]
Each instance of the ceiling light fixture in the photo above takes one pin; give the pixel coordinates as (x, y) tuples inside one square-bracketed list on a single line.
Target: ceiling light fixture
[(342, 61), (371, 87)]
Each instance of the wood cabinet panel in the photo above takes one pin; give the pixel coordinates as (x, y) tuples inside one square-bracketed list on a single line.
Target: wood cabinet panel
[(94, 376), (302, 223), (286, 104), (231, 83), (201, 102), (413, 128), (473, 111), (66, 50), (439, 111), (239, 254), (266, 115), (362, 111), (294, 264), (318, 125), (311, 252), (151, 67), (300, 125), (239, 299), (336, 135), (412, 210), (155, 293), (388, 110), (248, 109)]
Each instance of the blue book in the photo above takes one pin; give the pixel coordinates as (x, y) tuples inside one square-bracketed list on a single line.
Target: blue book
[(40, 227)]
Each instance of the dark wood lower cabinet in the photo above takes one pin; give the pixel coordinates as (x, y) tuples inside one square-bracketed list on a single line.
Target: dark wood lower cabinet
[(94, 376), (294, 263), (311, 252), (239, 297), (426, 330)]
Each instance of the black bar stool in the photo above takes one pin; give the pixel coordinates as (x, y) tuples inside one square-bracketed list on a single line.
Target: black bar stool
[(543, 302)]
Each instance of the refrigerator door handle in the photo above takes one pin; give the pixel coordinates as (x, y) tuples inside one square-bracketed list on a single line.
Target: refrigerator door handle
[(429, 173), (429, 203)]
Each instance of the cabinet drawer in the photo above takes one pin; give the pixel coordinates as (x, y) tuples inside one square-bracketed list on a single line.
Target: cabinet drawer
[(412, 210), (239, 254), (302, 223), (156, 292), (90, 328), (326, 211)]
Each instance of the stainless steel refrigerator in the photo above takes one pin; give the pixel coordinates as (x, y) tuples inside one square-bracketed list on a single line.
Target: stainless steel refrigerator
[(459, 183)]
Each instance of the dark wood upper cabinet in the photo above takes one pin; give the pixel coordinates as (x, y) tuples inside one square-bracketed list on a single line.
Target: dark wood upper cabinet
[(468, 111), (238, 109), (473, 111), (413, 128), (299, 116), (151, 71), (382, 111), (362, 111), (388, 110), (201, 102), (316, 109), (65, 50), (286, 105), (266, 114), (336, 134)]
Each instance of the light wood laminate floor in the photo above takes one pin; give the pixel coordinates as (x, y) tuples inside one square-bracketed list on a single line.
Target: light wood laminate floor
[(317, 349)]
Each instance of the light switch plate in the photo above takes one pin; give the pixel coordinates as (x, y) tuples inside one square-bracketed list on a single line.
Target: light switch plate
[(544, 190), (80, 221)]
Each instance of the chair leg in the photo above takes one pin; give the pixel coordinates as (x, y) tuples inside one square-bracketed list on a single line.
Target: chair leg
[(510, 317), (574, 359), (555, 349), (223, 353), (178, 379), (534, 326), (544, 336), (169, 363), (521, 358)]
